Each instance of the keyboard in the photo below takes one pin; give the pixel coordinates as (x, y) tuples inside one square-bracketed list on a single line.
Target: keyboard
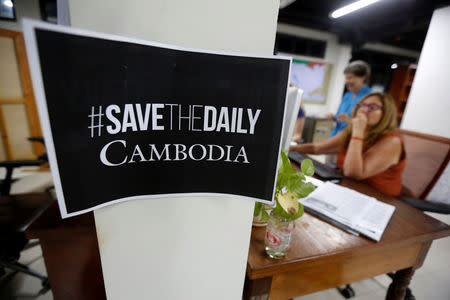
[(321, 170)]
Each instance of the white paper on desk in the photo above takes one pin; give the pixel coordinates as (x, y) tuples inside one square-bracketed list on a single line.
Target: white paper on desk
[(365, 214), (342, 203), (374, 222)]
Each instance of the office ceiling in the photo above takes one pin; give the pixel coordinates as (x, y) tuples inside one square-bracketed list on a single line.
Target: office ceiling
[(401, 23)]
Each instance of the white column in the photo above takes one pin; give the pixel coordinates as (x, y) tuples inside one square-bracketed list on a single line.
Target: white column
[(178, 248), (428, 105)]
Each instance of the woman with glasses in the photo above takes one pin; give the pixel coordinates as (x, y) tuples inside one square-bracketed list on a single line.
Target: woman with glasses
[(368, 149)]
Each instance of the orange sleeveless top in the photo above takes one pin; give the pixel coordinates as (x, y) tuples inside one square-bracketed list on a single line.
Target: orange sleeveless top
[(389, 181)]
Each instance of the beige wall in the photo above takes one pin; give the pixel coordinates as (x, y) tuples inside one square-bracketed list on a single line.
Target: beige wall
[(12, 107), (10, 86), (18, 131)]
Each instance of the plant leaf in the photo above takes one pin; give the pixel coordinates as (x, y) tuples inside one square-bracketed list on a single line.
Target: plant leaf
[(264, 215), (258, 206), (285, 172), (281, 212), (307, 167), (304, 189), (300, 210), (294, 182)]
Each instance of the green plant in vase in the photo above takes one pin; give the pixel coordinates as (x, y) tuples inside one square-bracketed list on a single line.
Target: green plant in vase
[(261, 214), (290, 187)]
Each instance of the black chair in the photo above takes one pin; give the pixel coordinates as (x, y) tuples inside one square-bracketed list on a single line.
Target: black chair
[(427, 158), (40, 140), (17, 213)]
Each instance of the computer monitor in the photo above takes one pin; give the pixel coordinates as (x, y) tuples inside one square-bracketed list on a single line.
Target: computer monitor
[(293, 101)]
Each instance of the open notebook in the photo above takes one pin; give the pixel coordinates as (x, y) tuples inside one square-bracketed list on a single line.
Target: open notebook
[(350, 210)]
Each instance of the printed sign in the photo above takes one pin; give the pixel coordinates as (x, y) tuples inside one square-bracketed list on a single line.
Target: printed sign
[(127, 119)]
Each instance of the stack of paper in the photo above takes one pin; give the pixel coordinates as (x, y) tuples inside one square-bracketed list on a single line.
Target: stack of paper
[(355, 212)]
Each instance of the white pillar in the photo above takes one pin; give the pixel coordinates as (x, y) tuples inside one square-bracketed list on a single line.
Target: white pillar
[(178, 248), (428, 105)]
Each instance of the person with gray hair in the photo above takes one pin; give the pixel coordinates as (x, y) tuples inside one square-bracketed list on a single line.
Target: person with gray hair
[(357, 75)]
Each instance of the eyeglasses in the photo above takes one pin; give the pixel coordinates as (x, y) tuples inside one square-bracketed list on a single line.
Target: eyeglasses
[(370, 107)]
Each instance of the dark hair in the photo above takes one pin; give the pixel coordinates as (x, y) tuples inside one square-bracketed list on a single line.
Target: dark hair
[(359, 68)]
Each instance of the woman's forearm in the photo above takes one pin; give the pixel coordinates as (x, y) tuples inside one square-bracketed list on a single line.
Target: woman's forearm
[(354, 163), (308, 148), (328, 146)]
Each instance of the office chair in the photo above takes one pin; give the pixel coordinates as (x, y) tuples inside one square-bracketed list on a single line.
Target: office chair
[(40, 140), (427, 158), (17, 213)]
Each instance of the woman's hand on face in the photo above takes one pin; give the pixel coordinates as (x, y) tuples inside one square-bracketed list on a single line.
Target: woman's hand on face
[(359, 124)]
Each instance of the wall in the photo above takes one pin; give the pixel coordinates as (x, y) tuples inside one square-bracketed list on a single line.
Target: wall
[(428, 106), (337, 54), (24, 8), (178, 248)]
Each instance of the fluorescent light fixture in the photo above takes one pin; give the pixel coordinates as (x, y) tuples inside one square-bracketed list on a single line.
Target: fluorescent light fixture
[(351, 8), (394, 66), (8, 3)]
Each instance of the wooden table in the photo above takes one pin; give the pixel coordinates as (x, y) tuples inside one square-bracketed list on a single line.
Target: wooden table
[(322, 256)]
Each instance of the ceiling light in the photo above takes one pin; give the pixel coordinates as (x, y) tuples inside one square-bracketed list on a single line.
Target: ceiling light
[(351, 8), (8, 3), (394, 66)]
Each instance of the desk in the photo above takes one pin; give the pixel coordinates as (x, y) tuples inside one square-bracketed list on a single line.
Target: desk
[(317, 130), (323, 256)]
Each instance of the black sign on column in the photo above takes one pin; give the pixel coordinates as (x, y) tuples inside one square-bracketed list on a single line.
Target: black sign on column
[(127, 119)]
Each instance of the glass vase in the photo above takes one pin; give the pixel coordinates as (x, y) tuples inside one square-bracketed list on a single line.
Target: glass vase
[(258, 220), (278, 235)]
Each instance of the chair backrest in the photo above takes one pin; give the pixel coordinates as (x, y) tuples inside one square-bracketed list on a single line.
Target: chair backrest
[(427, 156)]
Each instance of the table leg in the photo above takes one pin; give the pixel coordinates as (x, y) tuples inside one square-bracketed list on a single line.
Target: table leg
[(399, 284), (256, 287)]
